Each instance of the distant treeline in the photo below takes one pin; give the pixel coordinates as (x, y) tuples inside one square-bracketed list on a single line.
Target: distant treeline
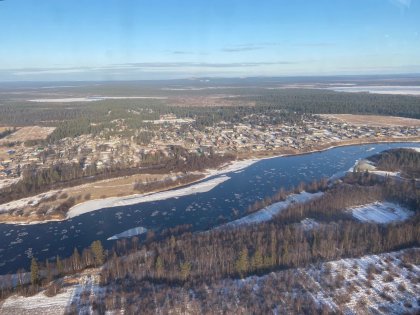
[(330, 102)]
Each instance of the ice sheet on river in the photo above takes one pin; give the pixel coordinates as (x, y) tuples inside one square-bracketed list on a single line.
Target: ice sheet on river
[(269, 212), (129, 233), (94, 205)]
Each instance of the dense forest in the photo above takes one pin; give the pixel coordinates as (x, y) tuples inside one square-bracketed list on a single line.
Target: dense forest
[(406, 161), (329, 102)]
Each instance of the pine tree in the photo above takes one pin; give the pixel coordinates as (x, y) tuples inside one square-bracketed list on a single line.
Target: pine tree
[(59, 265), (242, 262), (257, 259), (98, 253), (34, 272), (159, 267), (185, 269)]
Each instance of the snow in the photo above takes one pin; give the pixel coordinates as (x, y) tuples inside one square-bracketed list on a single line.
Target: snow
[(8, 182), (25, 202), (94, 205), (394, 90), (271, 211), (129, 233), (358, 288), (363, 294), (235, 166), (309, 224), (38, 304), (41, 304), (414, 148), (91, 99), (381, 212)]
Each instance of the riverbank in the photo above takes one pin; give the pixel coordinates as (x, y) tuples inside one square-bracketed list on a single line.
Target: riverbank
[(243, 161)]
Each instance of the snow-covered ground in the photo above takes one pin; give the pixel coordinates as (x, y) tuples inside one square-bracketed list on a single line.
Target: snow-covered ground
[(309, 224), (129, 233), (86, 284), (381, 212), (390, 287), (8, 181), (235, 166), (392, 90), (91, 99), (94, 205), (372, 284), (271, 211), (25, 202)]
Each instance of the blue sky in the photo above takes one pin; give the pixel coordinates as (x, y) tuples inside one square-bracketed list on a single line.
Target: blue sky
[(127, 39)]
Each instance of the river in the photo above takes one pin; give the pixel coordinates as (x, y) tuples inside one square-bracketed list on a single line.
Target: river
[(202, 210)]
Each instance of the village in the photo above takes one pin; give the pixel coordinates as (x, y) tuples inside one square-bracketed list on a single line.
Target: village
[(245, 138)]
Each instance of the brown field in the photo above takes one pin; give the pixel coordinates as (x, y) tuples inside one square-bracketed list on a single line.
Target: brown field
[(205, 101), (29, 133), (374, 120), (120, 186)]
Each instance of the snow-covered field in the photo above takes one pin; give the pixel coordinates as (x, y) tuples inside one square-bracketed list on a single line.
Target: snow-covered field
[(392, 90), (91, 99), (271, 211), (87, 284), (378, 284), (94, 205), (25, 202), (381, 212)]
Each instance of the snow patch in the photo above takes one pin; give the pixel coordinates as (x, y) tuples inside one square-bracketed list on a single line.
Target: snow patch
[(271, 211), (381, 212)]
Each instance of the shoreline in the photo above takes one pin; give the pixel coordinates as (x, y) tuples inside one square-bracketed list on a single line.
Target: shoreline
[(233, 166)]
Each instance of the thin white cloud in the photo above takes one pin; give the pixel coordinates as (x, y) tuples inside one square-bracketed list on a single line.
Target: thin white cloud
[(402, 3)]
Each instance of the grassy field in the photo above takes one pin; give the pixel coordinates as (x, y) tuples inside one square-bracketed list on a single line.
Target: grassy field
[(375, 120)]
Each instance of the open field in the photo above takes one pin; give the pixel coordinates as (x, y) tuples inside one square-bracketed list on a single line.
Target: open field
[(374, 120), (29, 133), (381, 212), (205, 101)]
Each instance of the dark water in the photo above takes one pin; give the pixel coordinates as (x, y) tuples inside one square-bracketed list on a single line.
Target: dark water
[(202, 210)]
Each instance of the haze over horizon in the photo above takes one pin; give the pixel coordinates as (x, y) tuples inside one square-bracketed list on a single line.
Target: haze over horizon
[(139, 40)]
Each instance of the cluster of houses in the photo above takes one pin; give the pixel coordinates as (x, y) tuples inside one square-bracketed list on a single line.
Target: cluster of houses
[(169, 131)]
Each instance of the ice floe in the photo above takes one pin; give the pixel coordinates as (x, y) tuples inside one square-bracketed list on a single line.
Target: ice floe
[(129, 233)]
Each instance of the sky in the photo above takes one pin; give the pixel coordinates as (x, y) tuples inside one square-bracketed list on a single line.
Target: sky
[(47, 40)]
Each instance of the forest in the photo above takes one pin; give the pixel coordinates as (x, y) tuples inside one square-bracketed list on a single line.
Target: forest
[(406, 161)]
